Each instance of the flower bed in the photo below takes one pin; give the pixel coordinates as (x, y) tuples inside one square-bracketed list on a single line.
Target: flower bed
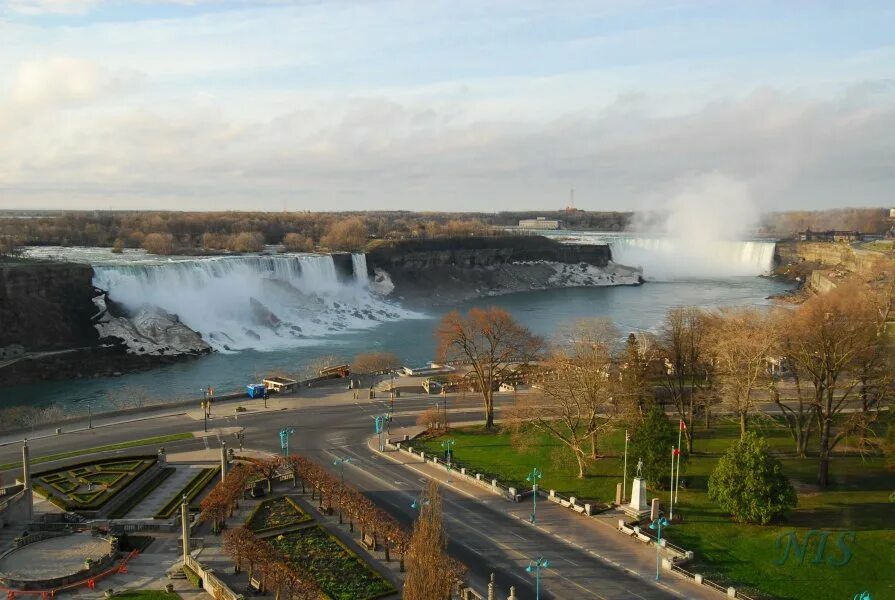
[(276, 513), (340, 573)]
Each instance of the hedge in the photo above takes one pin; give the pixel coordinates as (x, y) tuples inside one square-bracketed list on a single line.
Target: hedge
[(192, 576), (191, 490), (144, 491)]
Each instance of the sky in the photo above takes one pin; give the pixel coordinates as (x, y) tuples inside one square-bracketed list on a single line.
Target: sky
[(445, 105)]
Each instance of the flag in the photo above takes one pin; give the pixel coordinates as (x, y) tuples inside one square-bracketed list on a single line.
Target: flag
[(677, 451), (683, 425)]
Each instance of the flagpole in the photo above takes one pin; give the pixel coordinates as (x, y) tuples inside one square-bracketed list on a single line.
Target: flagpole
[(677, 481), (671, 495), (625, 476)]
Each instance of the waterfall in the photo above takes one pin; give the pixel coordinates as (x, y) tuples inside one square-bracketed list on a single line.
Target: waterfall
[(359, 265), (664, 258), (258, 302)]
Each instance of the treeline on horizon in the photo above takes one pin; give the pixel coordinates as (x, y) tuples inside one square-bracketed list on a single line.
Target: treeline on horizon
[(212, 232)]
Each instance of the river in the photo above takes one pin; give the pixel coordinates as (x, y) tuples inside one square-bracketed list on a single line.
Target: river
[(349, 319)]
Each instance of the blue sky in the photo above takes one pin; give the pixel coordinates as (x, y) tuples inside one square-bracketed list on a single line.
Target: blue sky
[(467, 105)]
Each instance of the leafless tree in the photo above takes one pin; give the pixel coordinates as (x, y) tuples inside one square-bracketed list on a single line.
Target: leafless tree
[(490, 342), (429, 573)]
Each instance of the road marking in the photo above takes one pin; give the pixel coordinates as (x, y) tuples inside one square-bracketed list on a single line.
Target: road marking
[(519, 536), (571, 562)]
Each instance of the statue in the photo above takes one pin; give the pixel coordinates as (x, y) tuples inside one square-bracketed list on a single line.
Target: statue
[(640, 468)]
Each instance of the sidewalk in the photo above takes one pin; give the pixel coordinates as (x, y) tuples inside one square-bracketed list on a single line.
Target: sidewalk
[(596, 536)]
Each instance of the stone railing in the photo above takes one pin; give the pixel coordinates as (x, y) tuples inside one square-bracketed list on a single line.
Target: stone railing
[(211, 583)]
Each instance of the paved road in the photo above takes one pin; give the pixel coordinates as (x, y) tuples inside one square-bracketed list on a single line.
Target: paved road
[(485, 541)]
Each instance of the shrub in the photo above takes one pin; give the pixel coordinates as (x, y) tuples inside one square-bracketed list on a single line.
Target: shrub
[(349, 234), (651, 442), (159, 243), (192, 576), (296, 242), (749, 483)]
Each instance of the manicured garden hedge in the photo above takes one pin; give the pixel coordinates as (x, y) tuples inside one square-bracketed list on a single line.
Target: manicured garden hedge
[(192, 576), (111, 476), (191, 490)]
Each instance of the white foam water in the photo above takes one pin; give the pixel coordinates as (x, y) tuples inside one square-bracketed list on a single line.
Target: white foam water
[(664, 258), (257, 302)]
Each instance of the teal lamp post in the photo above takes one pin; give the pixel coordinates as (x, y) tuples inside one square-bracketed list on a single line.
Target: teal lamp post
[(379, 427), (533, 478), (657, 526), (535, 566), (340, 462), (419, 502), (863, 596), (448, 446), (285, 432)]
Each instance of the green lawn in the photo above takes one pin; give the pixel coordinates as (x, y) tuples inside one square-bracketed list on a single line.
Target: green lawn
[(856, 501), (162, 439)]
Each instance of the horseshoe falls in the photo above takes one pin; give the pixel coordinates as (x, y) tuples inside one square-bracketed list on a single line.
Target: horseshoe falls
[(666, 258), (253, 302)]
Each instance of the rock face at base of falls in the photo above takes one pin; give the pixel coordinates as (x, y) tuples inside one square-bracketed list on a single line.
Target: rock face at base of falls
[(451, 270), (149, 332)]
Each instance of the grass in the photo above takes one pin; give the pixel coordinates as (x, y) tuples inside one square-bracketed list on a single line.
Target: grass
[(192, 489), (743, 555), (148, 595), (275, 514), (162, 439), (340, 573)]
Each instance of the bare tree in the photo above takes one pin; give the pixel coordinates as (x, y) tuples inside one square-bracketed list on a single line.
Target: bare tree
[(374, 362), (490, 342), (573, 403), (839, 346), (687, 374), (740, 341), (429, 572)]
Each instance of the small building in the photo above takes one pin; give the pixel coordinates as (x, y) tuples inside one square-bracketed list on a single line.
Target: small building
[(256, 390), (832, 235), (280, 385), (542, 223), (427, 371), (335, 371)]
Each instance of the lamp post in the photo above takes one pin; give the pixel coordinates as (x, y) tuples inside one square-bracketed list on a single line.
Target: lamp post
[(285, 432), (419, 502), (89, 415), (444, 404), (240, 437), (379, 425), (657, 526), (205, 415), (535, 566), (534, 477), (448, 446), (340, 462)]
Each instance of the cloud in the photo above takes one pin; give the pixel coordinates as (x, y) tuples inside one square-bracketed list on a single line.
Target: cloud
[(778, 148), (39, 7), (63, 80)]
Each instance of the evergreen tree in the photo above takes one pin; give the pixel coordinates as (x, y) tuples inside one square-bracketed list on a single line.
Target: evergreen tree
[(750, 484), (652, 441)]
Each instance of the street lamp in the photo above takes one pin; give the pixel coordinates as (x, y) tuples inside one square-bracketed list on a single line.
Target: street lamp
[(625, 476), (448, 446), (89, 415), (340, 462), (285, 432), (534, 477), (657, 526), (419, 502), (863, 596), (535, 566), (379, 425), (206, 408), (241, 437)]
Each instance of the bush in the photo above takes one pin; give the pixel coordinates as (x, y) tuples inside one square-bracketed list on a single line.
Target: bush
[(651, 442), (349, 234), (192, 576), (749, 483), (296, 242), (159, 243)]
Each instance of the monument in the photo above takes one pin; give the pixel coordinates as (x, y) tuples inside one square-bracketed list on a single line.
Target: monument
[(638, 506)]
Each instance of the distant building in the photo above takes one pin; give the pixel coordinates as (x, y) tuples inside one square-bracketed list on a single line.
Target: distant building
[(830, 236), (892, 213), (540, 223)]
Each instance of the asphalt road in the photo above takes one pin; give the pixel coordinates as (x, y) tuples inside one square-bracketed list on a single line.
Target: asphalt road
[(487, 542)]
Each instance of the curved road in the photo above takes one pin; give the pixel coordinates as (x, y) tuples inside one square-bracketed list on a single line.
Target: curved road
[(486, 541)]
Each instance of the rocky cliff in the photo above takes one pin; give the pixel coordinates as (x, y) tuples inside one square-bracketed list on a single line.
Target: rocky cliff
[(448, 270), (46, 306)]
